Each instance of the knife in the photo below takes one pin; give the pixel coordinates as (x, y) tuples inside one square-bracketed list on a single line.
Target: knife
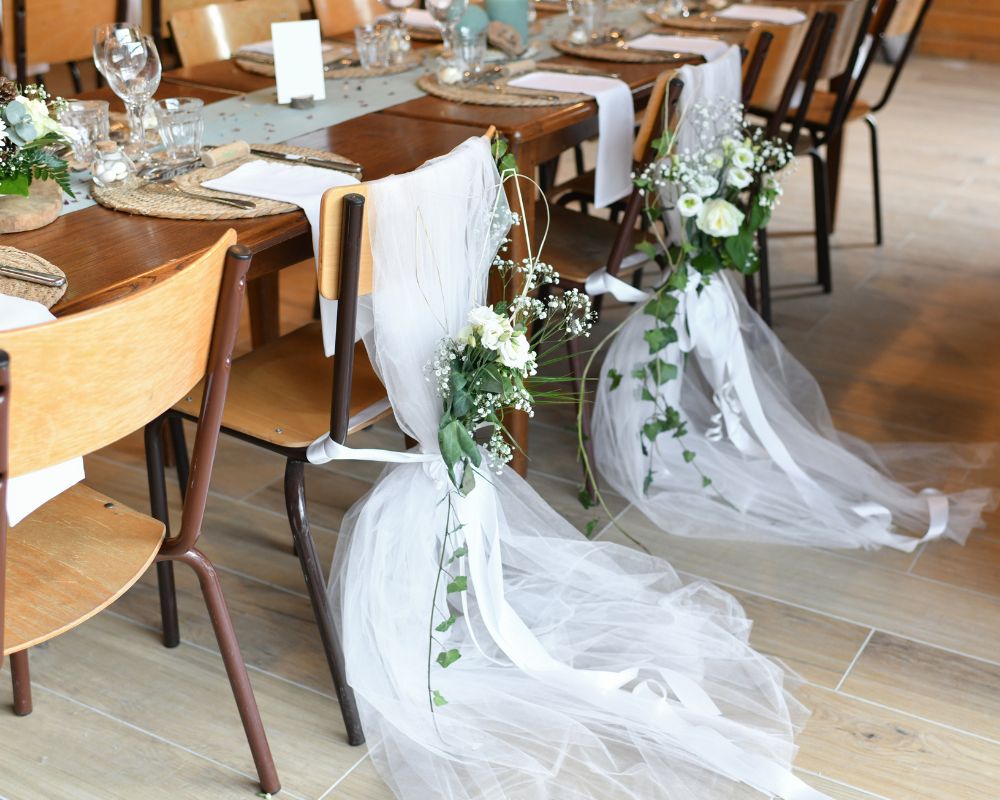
[(32, 276), (312, 161)]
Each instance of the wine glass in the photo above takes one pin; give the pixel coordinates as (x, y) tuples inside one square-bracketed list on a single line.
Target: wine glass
[(397, 7), (447, 13), (110, 31), (132, 67), (399, 39)]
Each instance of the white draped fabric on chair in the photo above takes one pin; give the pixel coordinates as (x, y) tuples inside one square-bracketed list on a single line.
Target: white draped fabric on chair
[(587, 670), (760, 428)]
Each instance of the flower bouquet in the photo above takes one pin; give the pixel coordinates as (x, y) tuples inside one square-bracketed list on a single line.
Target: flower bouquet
[(30, 137)]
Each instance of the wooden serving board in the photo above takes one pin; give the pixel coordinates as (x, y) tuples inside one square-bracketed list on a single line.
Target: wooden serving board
[(38, 209)]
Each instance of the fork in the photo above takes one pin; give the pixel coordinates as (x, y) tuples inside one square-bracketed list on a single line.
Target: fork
[(232, 202)]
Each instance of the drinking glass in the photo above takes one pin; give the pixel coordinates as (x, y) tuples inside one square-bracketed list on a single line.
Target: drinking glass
[(447, 13), (470, 47), (372, 44), (89, 118), (181, 121), (586, 19), (399, 37), (111, 30), (132, 67)]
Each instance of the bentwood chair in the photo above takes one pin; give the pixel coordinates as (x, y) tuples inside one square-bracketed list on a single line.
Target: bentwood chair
[(337, 17), (287, 394), (214, 32), (74, 385), (54, 32)]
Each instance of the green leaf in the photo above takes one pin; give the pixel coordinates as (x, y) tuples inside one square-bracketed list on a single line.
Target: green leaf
[(706, 482), (663, 307), (647, 248), (451, 449), (639, 373), (448, 657), (658, 338), (584, 497), (706, 261), (689, 456), (738, 248), (459, 553), (647, 482), (446, 624), (17, 184), (468, 481), (648, 395), (758, 215), (660, 371), (591, 526), (615, 377), (460, 584), (438, 699)]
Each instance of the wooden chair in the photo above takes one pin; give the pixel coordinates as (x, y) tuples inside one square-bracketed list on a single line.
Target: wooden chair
[(54, 32), (162, 10), (214, 32), (340, 17), (78, 384), (285, 395)]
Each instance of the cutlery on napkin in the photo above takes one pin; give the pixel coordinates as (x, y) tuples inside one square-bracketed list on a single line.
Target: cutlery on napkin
[(775, 14), (710, 49)]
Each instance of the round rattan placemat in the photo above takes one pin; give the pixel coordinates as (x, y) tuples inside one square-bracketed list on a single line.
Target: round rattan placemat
[(608, 52), (153, 202), (334, 72), (48, 296), (702, 22), (498, 94)]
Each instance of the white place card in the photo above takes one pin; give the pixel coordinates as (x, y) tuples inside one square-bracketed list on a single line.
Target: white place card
[(298, 60)]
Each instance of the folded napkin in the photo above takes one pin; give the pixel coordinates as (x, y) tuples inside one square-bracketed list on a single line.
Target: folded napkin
[(267, 48), (615, 120), (300, 185), (775, 14), (416, 18), (711, 49), (25, 493)]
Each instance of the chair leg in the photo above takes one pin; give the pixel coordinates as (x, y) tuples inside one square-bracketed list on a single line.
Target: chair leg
[(176, 427), (74, 71), (225, 635), (158, 508), (577, 365), (821, 201), (765, 277), (295, 505), (750, 289), (21, 680), (876, 178)]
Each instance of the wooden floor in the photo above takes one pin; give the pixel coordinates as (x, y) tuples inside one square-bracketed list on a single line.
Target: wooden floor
[(900, 653)]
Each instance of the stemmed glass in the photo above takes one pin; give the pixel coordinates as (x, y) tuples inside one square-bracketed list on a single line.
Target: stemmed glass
[(447, 13), (131, 64), (399, 40), (397, 7)]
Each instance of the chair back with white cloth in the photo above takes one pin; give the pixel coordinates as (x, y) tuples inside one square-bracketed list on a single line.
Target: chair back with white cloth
[(213, 33)]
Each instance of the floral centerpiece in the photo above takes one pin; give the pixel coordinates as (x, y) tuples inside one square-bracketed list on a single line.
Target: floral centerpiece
[(720, 193), (491, 367), (30, 136)]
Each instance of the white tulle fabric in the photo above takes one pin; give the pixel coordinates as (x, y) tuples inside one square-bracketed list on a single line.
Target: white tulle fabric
[(588, 670), (761, 430)]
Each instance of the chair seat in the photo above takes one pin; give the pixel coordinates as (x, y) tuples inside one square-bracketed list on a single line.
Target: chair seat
[(280, 392), (578, 244), (69, 559), (821, 109)]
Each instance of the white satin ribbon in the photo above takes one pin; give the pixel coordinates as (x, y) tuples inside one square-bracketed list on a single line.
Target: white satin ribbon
[(600, 281)]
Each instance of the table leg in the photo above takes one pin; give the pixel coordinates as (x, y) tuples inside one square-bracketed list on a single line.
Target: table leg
[(262, 295)]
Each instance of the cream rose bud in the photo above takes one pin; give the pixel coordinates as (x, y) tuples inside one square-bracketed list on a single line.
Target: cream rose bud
[(466, 337), (743, 157), (514, 352), (719, 218), (739, 178), (688, 204)]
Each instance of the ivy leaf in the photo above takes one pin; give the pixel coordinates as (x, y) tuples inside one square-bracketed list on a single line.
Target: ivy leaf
[(438, 699), (689, 456), (446, 624), (615, 377), (584, 497), (647, 482), (663, 307), (448, 657), (658, 338), (738, 248), (706, 482), (639, 373), (459, 552), (706, 261), (460, 584), (758, 216), (646, 248), (660, 371), (648, 395), (591, 526)]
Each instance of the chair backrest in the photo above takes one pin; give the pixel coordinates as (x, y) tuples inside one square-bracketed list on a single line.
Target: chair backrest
[(907, 17), (53, 31), (342, 16), (756, 49), (801, 83), (214, 32), (162, 10)]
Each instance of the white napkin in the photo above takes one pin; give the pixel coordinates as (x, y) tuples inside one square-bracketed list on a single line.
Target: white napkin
[(415, 18), (25, 493), (615, 121), (267, 48), (711, 49), (775, 14), (302, 186)]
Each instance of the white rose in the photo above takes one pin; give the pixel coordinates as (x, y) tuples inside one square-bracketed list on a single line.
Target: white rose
[(38, 113), (743, 157), (514, 352), (493, 332), (739, 178), (706, 185), (720, 218), (689, 204), (466, 337), (480, 315)]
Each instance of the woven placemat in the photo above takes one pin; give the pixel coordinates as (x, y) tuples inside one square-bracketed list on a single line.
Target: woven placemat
[(333, 71), (609, 52), (498, 94), (705, 21), (48, 296), (424, 34), (153, 202)]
